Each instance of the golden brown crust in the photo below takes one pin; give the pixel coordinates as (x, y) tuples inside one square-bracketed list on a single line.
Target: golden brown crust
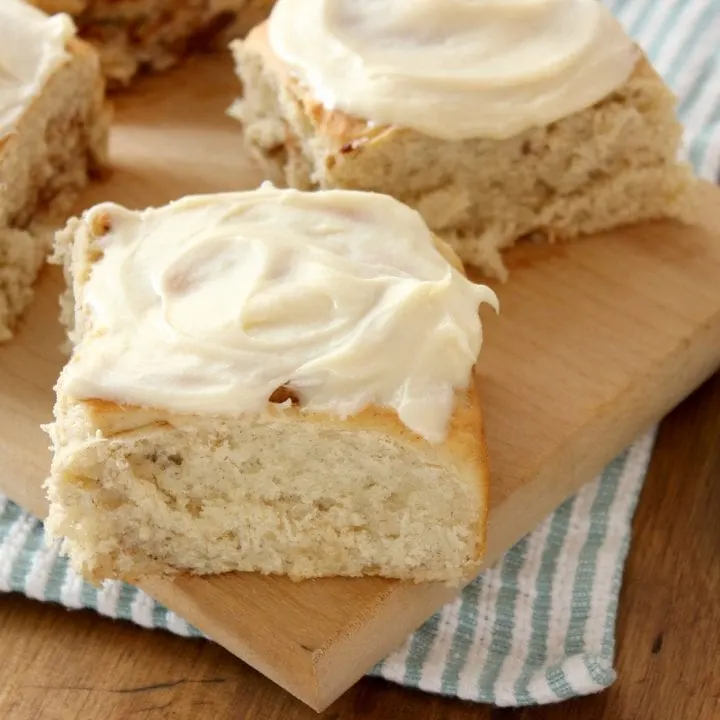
[(113, 419), (71, 7), (345, 129)]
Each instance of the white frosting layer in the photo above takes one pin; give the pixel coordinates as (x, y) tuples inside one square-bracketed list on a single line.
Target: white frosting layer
[(32, 47), (454, 69), (213, 302)]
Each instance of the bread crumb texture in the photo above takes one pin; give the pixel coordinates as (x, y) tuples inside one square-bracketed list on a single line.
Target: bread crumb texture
[(139, 492)]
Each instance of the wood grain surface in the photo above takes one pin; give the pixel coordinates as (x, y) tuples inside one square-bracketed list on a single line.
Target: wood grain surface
[(596, 340), (69, 665)]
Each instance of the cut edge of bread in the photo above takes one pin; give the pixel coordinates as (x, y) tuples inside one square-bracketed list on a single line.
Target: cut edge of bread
[(139, 492)]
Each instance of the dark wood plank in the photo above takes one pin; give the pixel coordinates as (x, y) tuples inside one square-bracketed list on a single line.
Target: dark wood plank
[(60, 665)]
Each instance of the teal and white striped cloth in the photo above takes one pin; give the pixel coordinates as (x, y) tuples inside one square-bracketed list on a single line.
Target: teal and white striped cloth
[(539, 626)]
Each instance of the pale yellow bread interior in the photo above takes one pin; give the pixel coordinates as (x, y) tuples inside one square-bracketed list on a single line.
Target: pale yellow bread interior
[(139, 492)]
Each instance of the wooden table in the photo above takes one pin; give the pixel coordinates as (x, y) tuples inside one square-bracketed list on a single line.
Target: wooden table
[(60, 665)]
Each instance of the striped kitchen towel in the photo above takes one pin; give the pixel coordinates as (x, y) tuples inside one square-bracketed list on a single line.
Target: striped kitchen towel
[(539, 626)]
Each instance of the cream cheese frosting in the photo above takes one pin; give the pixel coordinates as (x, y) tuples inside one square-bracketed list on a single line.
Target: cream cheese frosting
[(32, 47), (454, 69), (211, 303)]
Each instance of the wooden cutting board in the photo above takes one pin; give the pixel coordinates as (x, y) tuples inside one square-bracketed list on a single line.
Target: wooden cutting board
[(595, 342)]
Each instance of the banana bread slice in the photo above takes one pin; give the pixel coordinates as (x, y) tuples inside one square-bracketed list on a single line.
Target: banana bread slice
[(610, 164), (361, 451), (53, 135)]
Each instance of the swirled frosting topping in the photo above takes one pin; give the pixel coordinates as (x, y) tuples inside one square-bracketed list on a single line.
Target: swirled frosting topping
[(454, 69), (32, 47), (212, 303)]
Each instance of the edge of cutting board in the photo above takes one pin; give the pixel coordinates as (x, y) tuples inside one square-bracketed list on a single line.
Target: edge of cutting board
[(596, 341)]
